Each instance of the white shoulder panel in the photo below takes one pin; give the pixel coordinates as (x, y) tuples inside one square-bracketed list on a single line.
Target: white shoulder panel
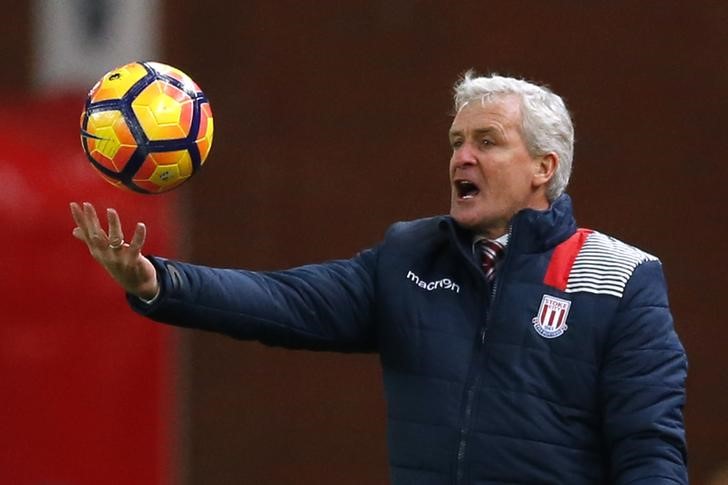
[(604, 265)]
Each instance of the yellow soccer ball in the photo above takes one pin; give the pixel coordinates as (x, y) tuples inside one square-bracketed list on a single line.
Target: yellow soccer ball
[(147, 127)]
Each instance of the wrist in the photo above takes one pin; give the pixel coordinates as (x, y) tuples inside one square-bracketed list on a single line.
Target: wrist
[(148, 292), (149, 286), (149, 296)]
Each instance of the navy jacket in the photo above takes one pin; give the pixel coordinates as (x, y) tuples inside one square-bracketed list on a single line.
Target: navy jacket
[(572, 374)]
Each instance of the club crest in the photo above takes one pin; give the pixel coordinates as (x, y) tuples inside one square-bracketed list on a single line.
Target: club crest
[(550, 322)]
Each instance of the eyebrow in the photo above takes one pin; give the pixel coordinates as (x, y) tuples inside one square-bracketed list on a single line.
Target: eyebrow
[(478, 131)]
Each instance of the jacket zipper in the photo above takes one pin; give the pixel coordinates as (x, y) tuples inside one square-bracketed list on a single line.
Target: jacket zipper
[(473, 386)]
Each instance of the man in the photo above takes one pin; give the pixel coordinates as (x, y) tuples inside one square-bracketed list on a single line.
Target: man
[(556, 363)]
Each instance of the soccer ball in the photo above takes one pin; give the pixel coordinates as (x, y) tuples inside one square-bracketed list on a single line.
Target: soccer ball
[(147, 127)]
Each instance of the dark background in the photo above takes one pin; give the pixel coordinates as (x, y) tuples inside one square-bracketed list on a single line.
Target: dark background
[(331, 121)]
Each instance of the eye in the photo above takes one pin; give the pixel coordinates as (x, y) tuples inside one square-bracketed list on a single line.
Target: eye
[(486, 142), (455, 144)]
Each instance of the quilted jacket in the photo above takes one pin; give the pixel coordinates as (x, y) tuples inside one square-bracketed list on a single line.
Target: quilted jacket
[(569, 373)]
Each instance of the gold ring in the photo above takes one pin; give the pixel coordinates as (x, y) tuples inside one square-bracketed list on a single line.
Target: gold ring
[(118, 245)]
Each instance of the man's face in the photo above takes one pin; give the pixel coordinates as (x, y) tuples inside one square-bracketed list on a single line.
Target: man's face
[(492, 175)]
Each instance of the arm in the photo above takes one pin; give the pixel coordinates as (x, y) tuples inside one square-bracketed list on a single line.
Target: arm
[(643, 386), (319, 307)]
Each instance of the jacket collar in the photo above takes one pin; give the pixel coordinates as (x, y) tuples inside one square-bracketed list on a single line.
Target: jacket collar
[(532, 231)]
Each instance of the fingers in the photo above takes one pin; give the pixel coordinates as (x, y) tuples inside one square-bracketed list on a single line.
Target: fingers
[(81, 230), (97, 235), (123, 261), (88, 229), (137, 240), (116, 235)]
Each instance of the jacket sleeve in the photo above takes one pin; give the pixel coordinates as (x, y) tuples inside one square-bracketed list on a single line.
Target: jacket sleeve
[(642, 386), (324, 306)]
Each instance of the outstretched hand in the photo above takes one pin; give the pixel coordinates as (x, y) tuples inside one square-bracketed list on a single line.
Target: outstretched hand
[(123, 261)]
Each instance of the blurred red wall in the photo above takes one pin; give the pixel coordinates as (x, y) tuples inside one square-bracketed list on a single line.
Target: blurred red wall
[(87, 387)]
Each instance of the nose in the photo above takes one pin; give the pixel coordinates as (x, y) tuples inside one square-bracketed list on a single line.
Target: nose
[(463, 155)]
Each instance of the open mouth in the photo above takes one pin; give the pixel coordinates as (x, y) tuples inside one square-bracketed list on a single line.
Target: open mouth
[(466, 189)]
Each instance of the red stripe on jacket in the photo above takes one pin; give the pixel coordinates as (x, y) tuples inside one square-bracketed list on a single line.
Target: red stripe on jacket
[(557, 274)]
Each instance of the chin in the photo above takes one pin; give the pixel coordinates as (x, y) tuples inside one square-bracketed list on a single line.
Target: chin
[(465, 218), (479, 222)]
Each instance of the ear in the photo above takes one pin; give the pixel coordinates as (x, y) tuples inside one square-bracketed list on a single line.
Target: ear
[(545, 168)]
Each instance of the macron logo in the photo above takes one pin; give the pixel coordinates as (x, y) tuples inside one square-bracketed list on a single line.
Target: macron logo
[(445, 283)]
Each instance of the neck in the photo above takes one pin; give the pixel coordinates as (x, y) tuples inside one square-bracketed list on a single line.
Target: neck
[(539, 202), (493, 233)]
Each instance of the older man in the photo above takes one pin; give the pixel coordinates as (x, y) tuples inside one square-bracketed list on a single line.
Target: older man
[(515, 347)]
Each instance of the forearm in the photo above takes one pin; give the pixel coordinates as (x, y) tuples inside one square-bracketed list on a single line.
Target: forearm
[(325, 307)]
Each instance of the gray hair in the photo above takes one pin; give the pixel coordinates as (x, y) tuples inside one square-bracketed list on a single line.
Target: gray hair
[(546, 124)]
